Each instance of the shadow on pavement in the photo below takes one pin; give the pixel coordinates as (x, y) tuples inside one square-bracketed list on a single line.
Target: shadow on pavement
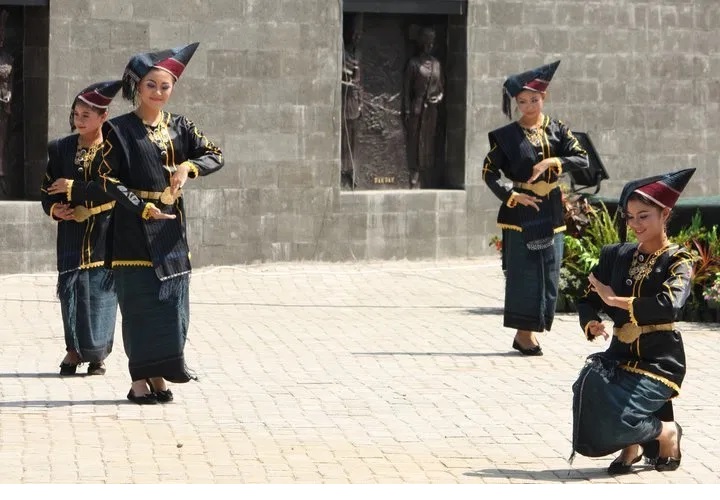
[(40, 375), (485, 310), (57, 404), (468, 354), (549, 475)]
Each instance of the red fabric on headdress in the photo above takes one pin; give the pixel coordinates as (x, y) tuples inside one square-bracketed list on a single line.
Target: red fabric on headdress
[(666, 190), (100, 94), (537, 85), (172, 66), (660, 193)]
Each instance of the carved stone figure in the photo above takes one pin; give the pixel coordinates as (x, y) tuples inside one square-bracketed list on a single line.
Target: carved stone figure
[(422, 93), (6, 67), (351, 99)]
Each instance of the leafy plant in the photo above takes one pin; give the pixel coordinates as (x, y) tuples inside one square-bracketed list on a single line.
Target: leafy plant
[(582, 251), (711, 292)]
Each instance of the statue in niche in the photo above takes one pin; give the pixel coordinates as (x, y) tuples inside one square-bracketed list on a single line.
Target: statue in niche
[(422, 94), (6, 67), (351, 98)]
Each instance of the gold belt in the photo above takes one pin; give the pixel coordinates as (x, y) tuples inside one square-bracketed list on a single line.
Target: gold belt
[(166, 196), (81, 213), (629, 332), (541, 188)]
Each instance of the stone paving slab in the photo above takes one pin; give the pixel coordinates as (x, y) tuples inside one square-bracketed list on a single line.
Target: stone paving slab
[(374, 372)]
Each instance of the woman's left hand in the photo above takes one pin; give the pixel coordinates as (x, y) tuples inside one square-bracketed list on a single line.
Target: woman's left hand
[(603, 290), (179, 178), (59, 186)]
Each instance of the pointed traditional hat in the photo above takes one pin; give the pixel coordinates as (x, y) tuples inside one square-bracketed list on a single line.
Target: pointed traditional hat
[(662, 190), (172, 60), (536, 79), (99, 94)]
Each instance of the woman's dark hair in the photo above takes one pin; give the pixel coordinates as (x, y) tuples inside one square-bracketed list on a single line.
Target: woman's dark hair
[(99, 111)]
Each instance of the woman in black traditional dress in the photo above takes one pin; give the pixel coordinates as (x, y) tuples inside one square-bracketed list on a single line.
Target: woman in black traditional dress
[(83, 213), (150, 154), (531, 152), (622, 396)]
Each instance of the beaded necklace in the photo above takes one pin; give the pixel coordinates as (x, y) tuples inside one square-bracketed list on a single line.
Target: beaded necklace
[(641, 266), (84, 155)]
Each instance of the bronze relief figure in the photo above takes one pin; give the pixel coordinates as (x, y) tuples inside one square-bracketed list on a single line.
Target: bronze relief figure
[(6, 76), (351, 100), (422, 93)]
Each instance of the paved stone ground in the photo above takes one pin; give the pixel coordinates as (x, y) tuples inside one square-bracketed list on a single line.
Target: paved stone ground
[(389, 372)]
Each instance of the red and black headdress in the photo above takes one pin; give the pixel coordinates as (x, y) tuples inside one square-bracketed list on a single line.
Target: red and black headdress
[(536, 79), (99, 94), (662, 190), (172, 60)]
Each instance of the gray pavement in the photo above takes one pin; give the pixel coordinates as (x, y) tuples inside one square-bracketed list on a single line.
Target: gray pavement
[(387, 372)]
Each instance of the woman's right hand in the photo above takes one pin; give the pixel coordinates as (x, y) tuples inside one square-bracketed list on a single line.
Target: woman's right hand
[(63, 211), (155, 213), (528, 200), (597, 328)]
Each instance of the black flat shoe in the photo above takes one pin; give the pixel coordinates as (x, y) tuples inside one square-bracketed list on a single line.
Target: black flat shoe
[(618, 467), (532, 351), (96, 368), (162, 396), (145, 399), (668, 464), (68, 369)]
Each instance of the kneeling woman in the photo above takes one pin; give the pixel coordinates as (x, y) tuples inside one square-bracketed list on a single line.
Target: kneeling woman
[(620, 393)]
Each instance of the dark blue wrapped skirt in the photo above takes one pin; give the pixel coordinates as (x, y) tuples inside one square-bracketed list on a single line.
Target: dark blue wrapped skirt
[(614, 408), (531, 282), (89, 308), (154, 328)]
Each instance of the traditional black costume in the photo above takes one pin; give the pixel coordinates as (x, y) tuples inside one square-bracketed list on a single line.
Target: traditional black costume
[(151, 258), (622, 394), (532, 240), (85, 289)]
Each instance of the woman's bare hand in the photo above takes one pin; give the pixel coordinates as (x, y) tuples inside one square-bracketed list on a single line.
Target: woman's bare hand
[(597, 328), (59, 186), (63, 211), (528, 200), (155, 213)]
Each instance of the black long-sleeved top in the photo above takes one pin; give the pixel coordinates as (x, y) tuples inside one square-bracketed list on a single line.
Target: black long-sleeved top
[(556, 141), (657, 296), (80, 245), (133, 162)]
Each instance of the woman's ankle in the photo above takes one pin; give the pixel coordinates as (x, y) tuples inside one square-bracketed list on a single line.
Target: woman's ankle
[(140, 388), (158, 384), (71, 358)]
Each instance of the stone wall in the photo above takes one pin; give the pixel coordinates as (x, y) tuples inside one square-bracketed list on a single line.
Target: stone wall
[(639, 76)]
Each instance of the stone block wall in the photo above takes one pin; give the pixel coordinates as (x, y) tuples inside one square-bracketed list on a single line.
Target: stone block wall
[(639, 76)]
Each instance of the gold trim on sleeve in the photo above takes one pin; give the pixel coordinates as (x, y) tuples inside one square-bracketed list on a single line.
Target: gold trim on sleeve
[(68, 189), (630, 302), (145, 213)]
